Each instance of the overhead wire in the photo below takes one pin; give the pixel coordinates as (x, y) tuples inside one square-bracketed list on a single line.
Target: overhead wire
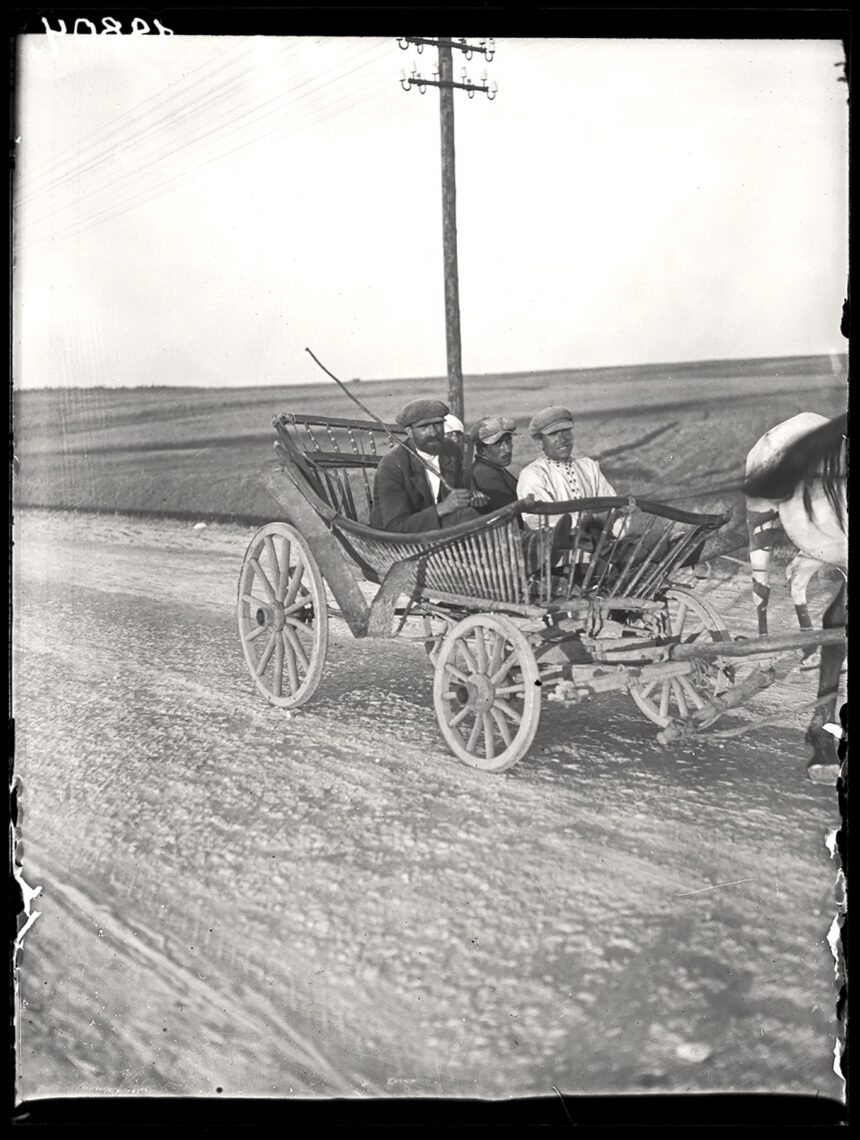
[(138, 139), (181, 112), (141, 195), (243, 53), (158, 158), (255, 114), (124, 123), (324, 112)]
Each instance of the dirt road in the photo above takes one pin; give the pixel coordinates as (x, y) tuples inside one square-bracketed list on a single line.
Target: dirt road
[(242, 901)]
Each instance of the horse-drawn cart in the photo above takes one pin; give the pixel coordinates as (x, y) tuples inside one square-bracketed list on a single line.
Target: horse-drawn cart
[(509, 614)]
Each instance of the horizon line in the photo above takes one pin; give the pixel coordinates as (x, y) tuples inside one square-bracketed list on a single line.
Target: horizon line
[(436, 378)]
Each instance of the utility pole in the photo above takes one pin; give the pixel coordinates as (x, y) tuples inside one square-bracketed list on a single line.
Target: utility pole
[(444, 79)]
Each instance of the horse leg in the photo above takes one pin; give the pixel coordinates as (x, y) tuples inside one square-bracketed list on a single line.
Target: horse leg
[(824, 765), (799, 572), (762, 519)]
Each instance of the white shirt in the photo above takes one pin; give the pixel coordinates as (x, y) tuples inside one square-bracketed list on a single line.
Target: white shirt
[(433, 477), (554, 480)]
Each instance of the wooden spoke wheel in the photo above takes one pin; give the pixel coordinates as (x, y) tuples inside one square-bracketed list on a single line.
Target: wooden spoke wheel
[(486, 692), (283, 619), (689, 618)]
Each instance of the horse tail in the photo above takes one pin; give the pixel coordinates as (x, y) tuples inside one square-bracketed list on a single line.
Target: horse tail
[(834, 471)]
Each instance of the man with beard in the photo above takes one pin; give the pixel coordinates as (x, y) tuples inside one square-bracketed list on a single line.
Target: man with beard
[(493, 437), (411, 493)]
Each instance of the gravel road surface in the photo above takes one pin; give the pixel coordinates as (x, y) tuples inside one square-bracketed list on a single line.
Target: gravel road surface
[(242, 901)]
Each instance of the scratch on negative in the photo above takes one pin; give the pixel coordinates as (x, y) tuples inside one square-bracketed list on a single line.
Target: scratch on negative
[(686, 894), (563, 1105)]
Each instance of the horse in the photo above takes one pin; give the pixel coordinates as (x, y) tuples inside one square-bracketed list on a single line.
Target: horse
[(796, 475)]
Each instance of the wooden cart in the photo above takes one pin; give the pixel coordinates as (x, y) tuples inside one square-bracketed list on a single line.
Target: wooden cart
[(509, 614)]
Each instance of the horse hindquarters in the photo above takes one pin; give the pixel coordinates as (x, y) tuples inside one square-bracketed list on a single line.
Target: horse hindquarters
[(763, 514)]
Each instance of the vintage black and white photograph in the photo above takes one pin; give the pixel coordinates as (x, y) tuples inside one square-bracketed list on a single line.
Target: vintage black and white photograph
[(428, 563)]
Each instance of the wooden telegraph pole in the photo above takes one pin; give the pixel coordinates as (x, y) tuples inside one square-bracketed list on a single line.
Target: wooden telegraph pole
[(449, 233), (444, 80)]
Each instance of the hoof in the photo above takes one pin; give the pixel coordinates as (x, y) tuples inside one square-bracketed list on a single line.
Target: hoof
[(823, 773)]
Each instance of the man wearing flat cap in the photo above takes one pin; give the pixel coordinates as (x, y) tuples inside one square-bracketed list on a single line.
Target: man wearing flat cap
[(411, 493), (493, 437), (556, 476)]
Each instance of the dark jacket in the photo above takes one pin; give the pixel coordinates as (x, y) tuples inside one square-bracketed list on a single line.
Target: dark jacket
[(402, 500), (495, 481)]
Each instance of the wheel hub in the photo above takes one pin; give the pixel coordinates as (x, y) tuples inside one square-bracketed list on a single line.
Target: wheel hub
[(271, 615), (477, 693), (484, 692)]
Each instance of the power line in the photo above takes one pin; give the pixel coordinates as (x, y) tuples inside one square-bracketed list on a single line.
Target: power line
[(109, 151), (122, 122), (145, 194), (160, 158), (214, 94)]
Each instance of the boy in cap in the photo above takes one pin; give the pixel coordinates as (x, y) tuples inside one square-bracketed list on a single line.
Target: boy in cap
[(494, 448), (556, 476), (407, 497)]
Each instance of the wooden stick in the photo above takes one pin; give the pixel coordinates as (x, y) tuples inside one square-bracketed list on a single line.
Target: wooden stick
[(728, 733), (402, 442), (633, 553), (634, 587), (760, 678), (756, 646)]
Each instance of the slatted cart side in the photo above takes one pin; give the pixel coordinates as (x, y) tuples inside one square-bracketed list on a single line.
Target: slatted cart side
[(638, 547)]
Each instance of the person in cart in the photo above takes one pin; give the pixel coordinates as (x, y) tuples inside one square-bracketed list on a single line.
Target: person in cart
[(455, 429), (493, 437), (556, 475), (412, 492)]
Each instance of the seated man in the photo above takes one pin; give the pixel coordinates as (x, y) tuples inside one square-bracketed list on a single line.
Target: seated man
[(556, 476), (454, 428), (494, 448), (410, 492)]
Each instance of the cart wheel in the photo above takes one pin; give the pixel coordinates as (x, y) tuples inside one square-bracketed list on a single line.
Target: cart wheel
[(689, 619), (486, 692), (283, 619)]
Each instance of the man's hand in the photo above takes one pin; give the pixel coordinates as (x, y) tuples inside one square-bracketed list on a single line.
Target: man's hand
[(455, 501)]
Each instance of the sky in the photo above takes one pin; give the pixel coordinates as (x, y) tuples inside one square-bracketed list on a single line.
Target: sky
[(195, 210)]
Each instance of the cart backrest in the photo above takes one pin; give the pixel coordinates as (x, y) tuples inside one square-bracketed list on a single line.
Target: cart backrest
[(338, 457)]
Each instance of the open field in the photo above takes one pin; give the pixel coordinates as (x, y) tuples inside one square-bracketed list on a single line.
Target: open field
[(658, 429)]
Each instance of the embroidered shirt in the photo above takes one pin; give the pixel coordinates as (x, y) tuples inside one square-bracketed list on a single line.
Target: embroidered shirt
[(569, 473), (555, 480)]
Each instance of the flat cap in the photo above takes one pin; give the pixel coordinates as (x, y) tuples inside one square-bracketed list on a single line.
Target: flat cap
[(453, 424), (549, 420), (491, 429), (418, 412)]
